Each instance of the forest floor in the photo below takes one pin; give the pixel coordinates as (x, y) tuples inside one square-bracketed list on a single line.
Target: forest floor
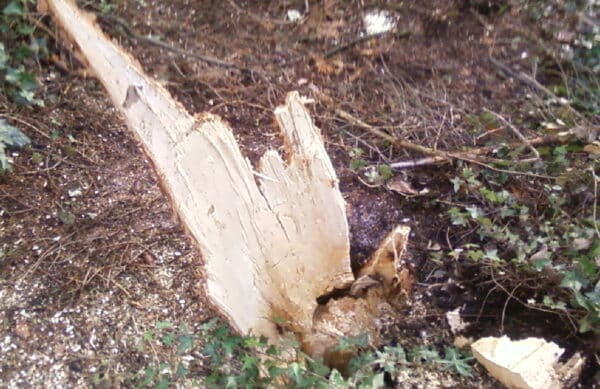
[(93, 265)]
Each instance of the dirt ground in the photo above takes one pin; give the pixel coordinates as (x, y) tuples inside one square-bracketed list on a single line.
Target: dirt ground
[(93, 257)]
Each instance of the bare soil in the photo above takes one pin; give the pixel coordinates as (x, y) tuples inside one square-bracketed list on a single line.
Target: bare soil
[(93, 256)]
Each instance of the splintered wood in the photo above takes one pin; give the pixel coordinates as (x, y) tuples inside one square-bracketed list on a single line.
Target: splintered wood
[(270, 249), (272, 240), (531, 363)]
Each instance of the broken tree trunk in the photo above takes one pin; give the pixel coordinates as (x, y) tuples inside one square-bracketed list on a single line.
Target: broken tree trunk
[(272, 241)]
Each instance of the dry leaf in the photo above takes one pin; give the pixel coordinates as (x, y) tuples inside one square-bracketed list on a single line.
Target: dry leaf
[(593, 149), (386, 262), (462, 342), (329, 66), (581, 244), (363, 283), (540, 255), (398, 185)]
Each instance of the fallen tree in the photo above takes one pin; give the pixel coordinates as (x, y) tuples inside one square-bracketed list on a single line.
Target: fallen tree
[(274, 240)]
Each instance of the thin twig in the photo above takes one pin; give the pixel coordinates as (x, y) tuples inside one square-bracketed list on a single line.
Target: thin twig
[(328, 101), (111, 20), (25, 123), (359, 40), (538, 141), (367, 145), (436, 156), (510, 296), (417, 162), (115, 283), (38, 23), (530, 81), (516, 131), (523, 303), (499, 170)]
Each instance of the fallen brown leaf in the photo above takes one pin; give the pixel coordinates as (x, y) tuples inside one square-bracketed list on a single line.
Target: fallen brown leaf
[(328, 66), (398, 185)]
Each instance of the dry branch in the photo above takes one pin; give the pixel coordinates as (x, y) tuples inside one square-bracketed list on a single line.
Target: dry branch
[(113, 20), (475, 155)]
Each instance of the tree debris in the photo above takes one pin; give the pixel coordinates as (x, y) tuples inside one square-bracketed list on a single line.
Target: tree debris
[(476, 155), (383, 282), (274, 240), (530, 363)]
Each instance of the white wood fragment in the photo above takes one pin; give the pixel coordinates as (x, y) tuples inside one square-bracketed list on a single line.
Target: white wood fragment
[(531, 363)]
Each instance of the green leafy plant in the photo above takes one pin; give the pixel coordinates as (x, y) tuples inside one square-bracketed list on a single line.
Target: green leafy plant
[(231, 361), (558, 249), (357, 162), (18, 58), (168, 336), (371, 175), (10, 137)]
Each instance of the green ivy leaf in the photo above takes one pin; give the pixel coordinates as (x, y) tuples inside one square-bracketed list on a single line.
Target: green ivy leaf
[(186, 343), (550, 303), (149, 374), (26, 80), (15, 7), (356, 152), (336, 380), (319, 368), (351, 342), (356, 164), (181, 370), (230, 344), (161, 325), (4, 160), (359, 361), (168, 339), (164, 383), (249, 362), (148, 336), (541, 264), (423, 354), (474, 211), (459, 363), (475, 255), (28, 97), (3, 57), (385, 172), (574, 280), (25, 29), (12, 136), (457, 217), (456, 183), (378, 381), (13, 75)]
